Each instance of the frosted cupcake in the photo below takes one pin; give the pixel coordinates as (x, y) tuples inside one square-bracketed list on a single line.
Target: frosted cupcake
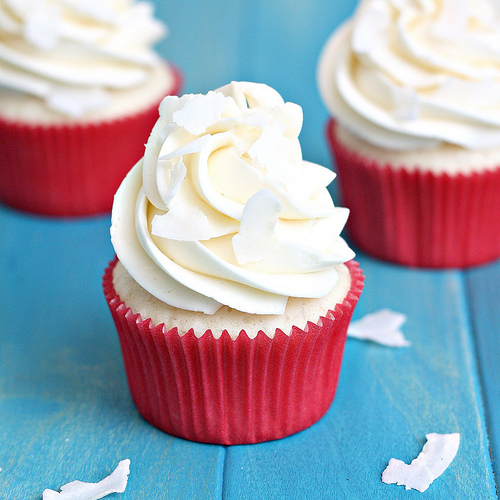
[(232, 288), (80, 88), (414, 91)]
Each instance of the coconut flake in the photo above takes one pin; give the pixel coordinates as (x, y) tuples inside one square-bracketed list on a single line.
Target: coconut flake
[(42, 26), (182, 222), (405, 103), (371, 27), (253, 119), (437, 454), (172, 103), (291, 116), (200, 112), (116, 482), (169, 177), (272, 151), (382, 327), (257, 238), (195, 146), (76, 102)]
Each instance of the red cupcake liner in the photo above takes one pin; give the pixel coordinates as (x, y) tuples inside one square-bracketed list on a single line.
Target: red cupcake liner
[(418, 218), (71, 170), (227, 391)]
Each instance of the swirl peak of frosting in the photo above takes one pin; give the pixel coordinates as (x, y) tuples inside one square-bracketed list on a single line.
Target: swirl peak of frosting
[(71, 52), (408, 74), (223, 209)]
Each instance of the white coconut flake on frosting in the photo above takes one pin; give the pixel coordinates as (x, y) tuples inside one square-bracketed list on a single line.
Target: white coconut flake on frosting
[(256, 239), (194, 146), (382, 327), (42, 27), (116, 482), (199, 112), (182, 223), (437, 454), (76, 101), (170, 179)]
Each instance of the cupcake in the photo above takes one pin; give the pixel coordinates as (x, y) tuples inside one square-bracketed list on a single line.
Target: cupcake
[(80, 88), (232, 289), (414, 93)]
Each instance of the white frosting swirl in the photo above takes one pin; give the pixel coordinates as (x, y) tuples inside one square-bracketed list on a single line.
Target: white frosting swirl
[(69, 52), (223, 209), (409, 74)]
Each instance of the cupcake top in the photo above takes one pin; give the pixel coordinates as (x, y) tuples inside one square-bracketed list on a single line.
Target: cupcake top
[(407, 74), (223, 210), (73, 54)]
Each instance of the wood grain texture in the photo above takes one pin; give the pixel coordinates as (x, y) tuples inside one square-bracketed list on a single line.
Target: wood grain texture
[(387, 400), (66, 412), (483, 287), (65, 408)]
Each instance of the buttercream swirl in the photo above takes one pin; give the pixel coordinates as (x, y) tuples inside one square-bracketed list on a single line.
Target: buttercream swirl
[(409, 74), (223, 209), (70, 52)]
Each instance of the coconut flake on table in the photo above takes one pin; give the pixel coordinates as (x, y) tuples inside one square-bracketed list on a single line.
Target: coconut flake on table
[(116, 482), (382, 327), (257, 238), (437, 454)]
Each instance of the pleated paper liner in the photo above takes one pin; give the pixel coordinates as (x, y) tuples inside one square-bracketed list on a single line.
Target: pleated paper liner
[(228, 391), (418, 218), (71, 170)]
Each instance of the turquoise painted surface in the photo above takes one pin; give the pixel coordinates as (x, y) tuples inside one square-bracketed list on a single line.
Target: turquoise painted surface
[(483, 285), (65, 410)]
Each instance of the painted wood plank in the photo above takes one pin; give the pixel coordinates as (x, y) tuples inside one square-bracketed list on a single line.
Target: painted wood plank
[(483, 287), (65, 408), (387, 400)]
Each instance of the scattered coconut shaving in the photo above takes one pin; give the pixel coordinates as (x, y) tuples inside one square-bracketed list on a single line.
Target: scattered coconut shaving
[(76, 101), (257, 239), (194, 146), (200, 112), (382, 327), (182, 223), (437, 454), (273, 151), (116, 482), (43, 25), (170, 180)]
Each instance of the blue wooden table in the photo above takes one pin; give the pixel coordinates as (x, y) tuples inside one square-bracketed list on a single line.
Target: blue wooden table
[(66, 413), (65, 409)]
